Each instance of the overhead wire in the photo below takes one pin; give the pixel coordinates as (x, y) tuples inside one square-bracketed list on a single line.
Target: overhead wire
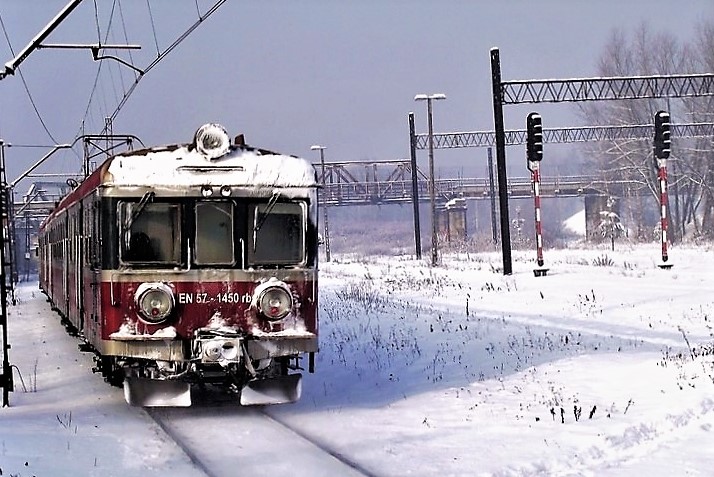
[(138, 73), (119, 68), (24, 83), (106, 39), (153, 27), (126, 37), (112, 81), (96, 20), (103, 103), (87, 111), (162, 55)]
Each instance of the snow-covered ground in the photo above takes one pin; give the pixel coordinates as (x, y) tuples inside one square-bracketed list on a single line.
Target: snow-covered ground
[(603, 367)]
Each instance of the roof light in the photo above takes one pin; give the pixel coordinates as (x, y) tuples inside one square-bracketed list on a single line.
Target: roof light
[(212, 141)]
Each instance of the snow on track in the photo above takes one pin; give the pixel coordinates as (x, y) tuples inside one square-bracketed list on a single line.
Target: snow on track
[(221, 439)]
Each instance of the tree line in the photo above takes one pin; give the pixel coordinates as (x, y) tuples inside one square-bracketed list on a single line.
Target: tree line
[(629, 164)]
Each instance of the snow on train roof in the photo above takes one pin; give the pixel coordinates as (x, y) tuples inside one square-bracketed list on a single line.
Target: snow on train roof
[(183, 166)]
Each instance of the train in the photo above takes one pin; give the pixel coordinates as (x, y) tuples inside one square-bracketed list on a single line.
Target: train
[(190, 266)]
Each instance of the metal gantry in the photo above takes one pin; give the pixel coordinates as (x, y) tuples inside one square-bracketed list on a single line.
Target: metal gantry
[(104, 144), (608, 88), (517, 137)]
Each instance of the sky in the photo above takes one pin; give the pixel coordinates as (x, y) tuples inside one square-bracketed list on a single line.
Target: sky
[(292, 74), (454, 370)]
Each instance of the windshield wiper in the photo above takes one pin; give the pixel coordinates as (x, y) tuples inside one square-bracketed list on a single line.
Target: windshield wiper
[(261, 218), (145, 199), (268, 208)]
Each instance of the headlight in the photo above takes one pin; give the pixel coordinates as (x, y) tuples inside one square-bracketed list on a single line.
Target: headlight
[(274, 300), (212, 141), (155, 302)]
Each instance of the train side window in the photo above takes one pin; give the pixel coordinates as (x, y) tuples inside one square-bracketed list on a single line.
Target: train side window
[(214, 233), (150, 233)]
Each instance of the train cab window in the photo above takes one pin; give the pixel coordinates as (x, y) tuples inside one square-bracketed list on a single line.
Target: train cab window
[(150, 233), (278, 236), (214, 233)]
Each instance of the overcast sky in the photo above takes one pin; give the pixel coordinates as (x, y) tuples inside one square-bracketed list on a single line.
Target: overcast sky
[(289, 74)]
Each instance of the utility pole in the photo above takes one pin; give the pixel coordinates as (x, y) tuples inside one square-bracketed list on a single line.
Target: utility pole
[(432, 189), (6, 375), (415, 187)]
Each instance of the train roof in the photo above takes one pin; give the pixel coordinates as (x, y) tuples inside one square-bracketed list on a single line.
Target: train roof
[(184, 165)]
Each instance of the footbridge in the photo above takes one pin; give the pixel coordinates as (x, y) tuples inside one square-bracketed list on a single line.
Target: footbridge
[(385, 182)]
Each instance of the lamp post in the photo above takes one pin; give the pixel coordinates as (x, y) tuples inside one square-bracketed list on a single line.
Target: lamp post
[(432, 190), (317, 147)]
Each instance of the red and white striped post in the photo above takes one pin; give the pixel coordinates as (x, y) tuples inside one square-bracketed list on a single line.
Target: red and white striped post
[(662, 148), (534, 154), (535, 178), (662, 175)]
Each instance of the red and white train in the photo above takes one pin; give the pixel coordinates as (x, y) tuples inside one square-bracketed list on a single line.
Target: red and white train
[(190, 264)]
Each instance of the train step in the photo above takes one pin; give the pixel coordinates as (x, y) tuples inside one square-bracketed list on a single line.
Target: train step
[(278, 390), (156, 392)]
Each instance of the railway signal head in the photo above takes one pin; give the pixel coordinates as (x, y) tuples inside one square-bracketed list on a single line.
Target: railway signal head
[(534, 138), (662, 137)]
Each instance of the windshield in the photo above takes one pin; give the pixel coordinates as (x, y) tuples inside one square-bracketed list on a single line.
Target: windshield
[(214, 233), (150, 232), (278, 234)]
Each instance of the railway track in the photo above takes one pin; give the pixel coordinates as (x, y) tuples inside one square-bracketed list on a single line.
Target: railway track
[(223, 439)]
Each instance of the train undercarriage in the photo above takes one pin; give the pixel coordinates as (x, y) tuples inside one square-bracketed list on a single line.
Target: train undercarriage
[(222, 361)]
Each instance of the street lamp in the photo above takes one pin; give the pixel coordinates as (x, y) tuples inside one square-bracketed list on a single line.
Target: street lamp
[(317, 147), (432, 192)]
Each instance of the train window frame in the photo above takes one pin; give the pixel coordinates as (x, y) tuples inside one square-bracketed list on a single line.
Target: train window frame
[(129, 218), (230, 239), (257, 223)]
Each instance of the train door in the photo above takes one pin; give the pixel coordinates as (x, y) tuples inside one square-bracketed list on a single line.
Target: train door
[(91, 269), (51, 254), (45, 261), (65, 267), (70, 268), (78, 258), (58, 261)]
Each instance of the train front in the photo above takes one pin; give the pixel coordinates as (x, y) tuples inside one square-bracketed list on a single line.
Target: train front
[(212, 280)]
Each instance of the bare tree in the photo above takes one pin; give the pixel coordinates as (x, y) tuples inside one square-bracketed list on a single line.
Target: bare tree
[(624, 162), (699, 210)]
